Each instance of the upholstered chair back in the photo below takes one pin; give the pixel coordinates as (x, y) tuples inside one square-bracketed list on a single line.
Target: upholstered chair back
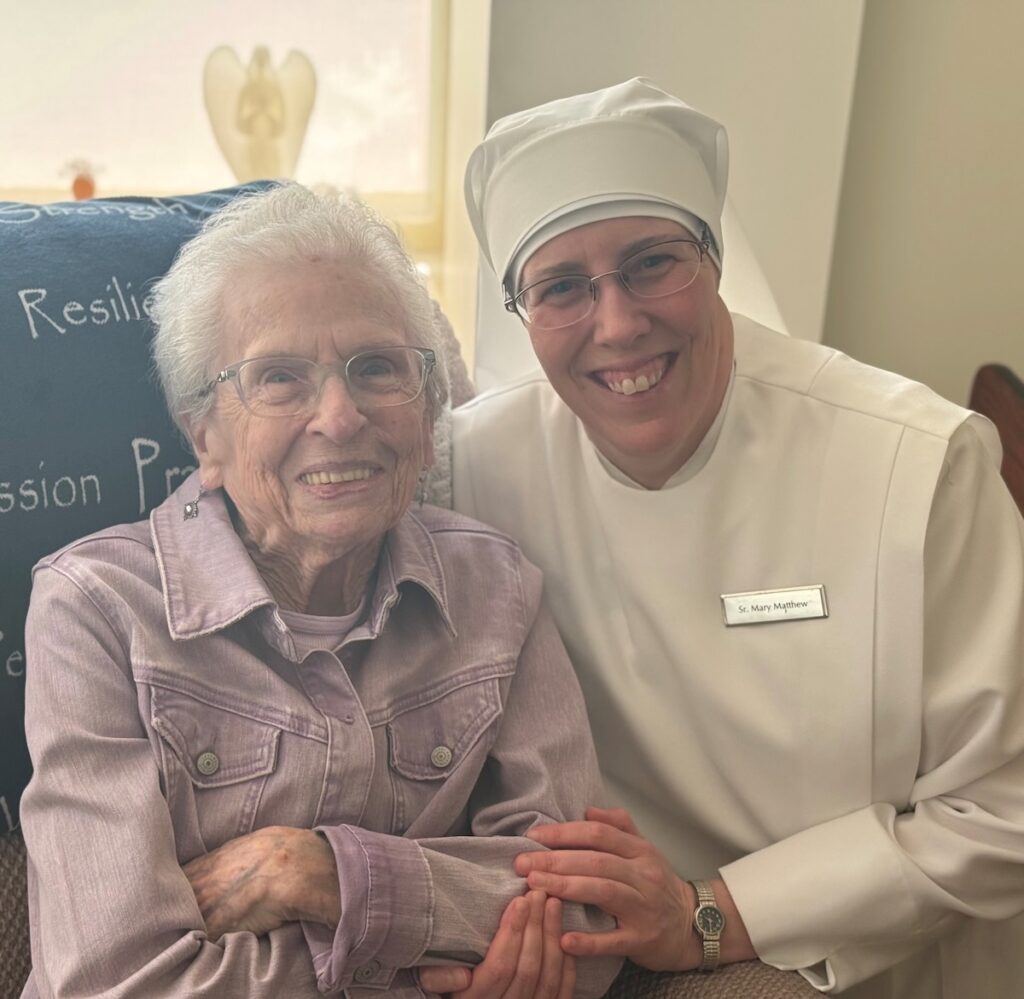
[(86, 441)]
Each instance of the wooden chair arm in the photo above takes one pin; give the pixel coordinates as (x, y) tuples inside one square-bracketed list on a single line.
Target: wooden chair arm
[(998, 393)]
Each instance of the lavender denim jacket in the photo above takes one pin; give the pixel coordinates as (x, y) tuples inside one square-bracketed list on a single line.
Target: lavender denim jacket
[(167, 712)]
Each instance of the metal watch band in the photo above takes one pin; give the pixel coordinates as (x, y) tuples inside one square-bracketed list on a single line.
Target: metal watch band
[(710, 943), (705, 896)]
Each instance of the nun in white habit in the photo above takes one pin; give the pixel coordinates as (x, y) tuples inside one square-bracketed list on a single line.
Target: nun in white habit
[(792, 585)]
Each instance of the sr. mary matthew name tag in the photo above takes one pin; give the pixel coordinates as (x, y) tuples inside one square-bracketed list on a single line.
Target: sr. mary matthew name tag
[(796, 603)]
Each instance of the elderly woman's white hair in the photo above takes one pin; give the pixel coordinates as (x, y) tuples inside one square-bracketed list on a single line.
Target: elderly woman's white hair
[(285, 224)]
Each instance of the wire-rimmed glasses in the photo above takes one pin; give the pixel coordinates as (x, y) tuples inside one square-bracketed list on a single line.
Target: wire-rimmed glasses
[(283, 385), (657, 270)]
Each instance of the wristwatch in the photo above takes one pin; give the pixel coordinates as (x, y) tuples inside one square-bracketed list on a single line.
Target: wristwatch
[(709, 921)]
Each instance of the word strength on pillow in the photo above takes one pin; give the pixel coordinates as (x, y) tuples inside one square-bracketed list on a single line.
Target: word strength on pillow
[(118, 303), (17, 213)]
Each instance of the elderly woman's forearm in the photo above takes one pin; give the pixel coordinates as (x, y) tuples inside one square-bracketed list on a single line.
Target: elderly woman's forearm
[(472, 916), (440, 898)]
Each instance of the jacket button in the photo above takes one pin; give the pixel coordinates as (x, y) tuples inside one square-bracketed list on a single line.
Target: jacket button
[(441, 757), (207, 763), (367, 972)]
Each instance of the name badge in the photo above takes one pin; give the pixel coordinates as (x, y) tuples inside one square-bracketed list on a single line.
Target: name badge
[(797, 603)]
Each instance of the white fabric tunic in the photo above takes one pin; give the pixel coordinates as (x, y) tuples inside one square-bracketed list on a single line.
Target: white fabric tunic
[(858, 780)]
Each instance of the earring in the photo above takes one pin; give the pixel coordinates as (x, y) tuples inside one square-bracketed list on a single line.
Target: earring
[(191, 510), (421, 488)]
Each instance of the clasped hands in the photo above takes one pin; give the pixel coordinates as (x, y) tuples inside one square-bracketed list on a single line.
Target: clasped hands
[(280, 874), (602, 861)]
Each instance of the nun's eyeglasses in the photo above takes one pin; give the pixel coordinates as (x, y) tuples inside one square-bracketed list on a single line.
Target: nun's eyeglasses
[(655, 271)]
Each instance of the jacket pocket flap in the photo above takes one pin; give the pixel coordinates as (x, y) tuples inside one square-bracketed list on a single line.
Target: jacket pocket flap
[(216, 747), (429, 741)]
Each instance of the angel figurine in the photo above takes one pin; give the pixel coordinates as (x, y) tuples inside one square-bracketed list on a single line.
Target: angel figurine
[(258, 113)]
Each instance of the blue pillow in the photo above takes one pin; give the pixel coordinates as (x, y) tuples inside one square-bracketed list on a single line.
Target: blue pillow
[(85, 438)]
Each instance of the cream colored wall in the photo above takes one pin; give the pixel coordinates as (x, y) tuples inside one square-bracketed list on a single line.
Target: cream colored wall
[(778, 75), (469, 27), (930, 240)]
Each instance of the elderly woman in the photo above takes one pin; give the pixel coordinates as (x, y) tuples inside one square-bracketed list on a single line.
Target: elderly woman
[(288, 734), (792, 585)]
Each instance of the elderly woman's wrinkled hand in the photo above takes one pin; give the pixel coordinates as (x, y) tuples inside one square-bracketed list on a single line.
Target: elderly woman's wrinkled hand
[(264, 879), (606, 862), (524, 961)]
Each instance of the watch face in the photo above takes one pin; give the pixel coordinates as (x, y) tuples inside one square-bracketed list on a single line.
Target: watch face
[(709, 919)]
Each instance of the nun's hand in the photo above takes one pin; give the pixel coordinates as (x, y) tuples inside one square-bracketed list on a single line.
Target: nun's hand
[(605, 861)]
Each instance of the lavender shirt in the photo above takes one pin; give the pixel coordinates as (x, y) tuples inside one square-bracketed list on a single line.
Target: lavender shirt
[(168, 711)]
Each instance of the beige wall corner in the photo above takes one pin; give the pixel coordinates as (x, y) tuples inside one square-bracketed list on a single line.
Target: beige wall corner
[(930, 239)]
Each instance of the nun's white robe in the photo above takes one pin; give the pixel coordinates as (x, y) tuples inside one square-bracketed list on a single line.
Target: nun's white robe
[(858, 780)]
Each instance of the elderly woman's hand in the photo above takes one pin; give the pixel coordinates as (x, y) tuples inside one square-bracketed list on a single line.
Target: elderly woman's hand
[(606, 862), (264, 879), (524, 961)]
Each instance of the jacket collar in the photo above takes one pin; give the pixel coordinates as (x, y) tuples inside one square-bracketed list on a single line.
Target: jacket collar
[(210, 582)]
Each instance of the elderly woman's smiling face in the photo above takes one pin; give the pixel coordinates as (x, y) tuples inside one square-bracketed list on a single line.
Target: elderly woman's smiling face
[(314, 487)]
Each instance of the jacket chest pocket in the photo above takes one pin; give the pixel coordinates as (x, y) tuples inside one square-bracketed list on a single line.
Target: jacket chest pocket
[(440, 746), (216, 764)]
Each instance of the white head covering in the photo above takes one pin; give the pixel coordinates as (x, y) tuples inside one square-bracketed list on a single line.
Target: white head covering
[(630, 149)]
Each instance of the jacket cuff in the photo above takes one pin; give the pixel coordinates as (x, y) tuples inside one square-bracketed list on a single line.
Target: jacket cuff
[(387, 911)]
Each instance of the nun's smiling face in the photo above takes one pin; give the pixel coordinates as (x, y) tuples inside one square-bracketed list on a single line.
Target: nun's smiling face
[(646, 376)]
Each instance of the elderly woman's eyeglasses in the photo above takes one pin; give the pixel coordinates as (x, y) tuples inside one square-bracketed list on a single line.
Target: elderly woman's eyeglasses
[(655, 271), (291, 386)]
